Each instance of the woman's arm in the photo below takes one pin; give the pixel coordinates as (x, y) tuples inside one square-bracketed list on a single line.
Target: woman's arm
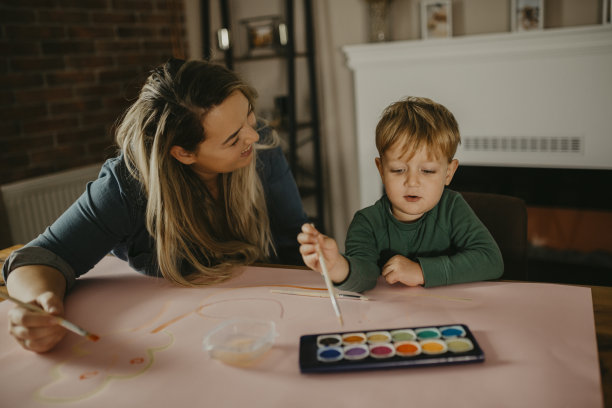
[(44, 286), (101, 218), (47, 267)]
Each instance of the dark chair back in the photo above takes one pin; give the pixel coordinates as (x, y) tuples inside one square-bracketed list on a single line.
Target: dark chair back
[(506, 218)]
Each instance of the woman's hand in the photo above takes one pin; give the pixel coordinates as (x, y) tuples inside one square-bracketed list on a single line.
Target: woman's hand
[(36, 331), (43, 286), (312, 242)]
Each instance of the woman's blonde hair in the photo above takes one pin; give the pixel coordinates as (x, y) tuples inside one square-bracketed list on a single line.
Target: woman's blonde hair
[(198, 241), (415, 122)]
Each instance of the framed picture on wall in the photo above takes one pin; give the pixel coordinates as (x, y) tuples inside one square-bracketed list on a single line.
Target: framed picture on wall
[(436, 19), (264, 35), (527, 15)]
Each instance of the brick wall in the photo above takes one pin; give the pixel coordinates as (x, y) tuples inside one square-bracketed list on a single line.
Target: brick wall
[(68, 70)]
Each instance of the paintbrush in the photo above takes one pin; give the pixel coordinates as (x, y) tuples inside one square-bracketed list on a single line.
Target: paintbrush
[(341, 295), (62, 322), (330, 288)]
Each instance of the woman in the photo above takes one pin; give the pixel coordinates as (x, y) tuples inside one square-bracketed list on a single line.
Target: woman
[(189, 197)]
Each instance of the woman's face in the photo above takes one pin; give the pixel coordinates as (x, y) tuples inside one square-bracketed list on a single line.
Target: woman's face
[(228, 145)]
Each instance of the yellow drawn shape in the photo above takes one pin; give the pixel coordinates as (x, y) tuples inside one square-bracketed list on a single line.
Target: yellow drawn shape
[(57, 376)]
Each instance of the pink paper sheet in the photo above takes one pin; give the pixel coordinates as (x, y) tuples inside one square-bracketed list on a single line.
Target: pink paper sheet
[(539, 342)]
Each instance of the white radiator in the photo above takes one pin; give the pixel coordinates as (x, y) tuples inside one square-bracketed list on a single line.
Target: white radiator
[(32, 205)]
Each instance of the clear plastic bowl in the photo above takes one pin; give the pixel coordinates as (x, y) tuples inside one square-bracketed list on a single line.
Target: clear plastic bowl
[(240, 341)]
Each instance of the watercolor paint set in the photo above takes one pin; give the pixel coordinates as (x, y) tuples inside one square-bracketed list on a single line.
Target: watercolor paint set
[(389, 348)]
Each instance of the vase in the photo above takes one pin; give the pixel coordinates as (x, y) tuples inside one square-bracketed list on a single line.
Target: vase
[(379, 20)]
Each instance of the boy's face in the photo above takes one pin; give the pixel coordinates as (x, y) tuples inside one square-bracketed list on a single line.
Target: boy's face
[(414, 186)]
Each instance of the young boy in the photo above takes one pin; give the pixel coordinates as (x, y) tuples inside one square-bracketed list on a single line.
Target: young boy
[(418, 232)]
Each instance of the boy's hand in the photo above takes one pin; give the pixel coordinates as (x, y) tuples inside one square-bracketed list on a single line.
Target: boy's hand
[(310, 240), (401, 269)]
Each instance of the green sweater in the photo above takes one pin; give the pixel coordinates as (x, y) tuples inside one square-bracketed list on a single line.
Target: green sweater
[(450, 243)]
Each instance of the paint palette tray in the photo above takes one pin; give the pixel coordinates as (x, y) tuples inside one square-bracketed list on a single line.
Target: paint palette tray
[(389, 348)]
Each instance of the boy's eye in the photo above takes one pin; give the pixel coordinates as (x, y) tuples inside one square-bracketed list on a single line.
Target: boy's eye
[(429, 171), (398, 171), (235, 142)]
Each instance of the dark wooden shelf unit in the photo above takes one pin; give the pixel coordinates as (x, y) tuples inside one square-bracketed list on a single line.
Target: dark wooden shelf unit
[(309, 177)]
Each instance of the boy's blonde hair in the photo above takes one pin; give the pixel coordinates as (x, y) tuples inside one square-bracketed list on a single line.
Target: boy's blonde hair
[(415, 122)]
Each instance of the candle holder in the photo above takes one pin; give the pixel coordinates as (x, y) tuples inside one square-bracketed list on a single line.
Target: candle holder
[(379, 20)]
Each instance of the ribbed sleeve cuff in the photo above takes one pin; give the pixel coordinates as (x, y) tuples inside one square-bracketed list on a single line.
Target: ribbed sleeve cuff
[(434, 272), (361, 276), (38, 256)]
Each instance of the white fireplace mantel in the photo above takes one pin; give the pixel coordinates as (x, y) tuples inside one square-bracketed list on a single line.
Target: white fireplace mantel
[(534, 99)]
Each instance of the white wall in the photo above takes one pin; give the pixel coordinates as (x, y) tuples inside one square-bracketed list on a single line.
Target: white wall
[(537, 99), (345, 22)]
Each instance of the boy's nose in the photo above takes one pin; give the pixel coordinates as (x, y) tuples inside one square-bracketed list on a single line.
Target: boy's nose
[(412, 179)]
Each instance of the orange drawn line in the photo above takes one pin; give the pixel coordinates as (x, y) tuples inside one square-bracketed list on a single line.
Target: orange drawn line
[(87, 375), (161, 312), (176, 319)]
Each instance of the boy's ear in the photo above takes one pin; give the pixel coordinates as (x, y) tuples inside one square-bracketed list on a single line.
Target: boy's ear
[(450, 171), (379, 166), (182, 155)]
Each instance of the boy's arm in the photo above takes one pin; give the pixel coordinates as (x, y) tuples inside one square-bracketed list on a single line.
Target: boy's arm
[(362, 255), (475, 256)]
